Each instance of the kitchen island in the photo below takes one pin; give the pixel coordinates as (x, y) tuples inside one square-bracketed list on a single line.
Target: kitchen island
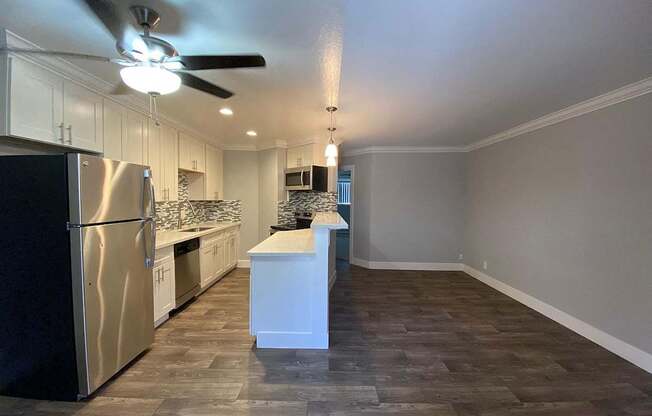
[(291, 275)]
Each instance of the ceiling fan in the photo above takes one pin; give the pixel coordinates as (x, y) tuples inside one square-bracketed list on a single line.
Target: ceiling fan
[(151, 64)]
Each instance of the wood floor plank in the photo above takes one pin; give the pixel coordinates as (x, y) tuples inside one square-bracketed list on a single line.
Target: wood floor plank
[(402, 342)]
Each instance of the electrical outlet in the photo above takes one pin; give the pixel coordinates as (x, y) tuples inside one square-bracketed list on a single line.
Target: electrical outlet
[(484, 264), (461, 256)]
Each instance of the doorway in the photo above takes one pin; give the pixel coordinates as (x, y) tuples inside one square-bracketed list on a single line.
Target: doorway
[(344, 247)]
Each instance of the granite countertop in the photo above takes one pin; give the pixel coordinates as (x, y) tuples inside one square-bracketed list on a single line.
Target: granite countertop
[(298, 242), (295, 242), (330, 220), (166, 238)]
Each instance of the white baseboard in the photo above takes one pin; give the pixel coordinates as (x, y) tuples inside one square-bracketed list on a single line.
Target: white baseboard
[(244, 264), (619, 347), (401, 265), (359, 262)]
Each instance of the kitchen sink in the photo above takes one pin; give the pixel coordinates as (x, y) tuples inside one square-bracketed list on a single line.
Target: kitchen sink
[(196, 229)]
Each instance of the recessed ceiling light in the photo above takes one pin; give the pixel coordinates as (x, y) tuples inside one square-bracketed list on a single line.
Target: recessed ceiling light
[(226, 111), (251, 133)]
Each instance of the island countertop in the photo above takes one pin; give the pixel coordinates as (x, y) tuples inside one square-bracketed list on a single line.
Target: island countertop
[(298, 242), (281, 243)]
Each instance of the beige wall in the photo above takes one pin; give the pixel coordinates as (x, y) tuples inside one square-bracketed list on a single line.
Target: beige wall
[(241, 182), (270, 163), (564, 214)]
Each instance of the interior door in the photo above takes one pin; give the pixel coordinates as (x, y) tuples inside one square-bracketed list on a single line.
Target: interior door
[(82, 115), (118, 297)]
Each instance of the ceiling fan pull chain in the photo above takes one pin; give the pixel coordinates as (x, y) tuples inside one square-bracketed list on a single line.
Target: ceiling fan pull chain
[(153, 108)]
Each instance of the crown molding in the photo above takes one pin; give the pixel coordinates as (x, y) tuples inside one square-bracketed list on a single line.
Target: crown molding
[(276, 144), (240, 147), (74, 73), (616, 96), (403, 149)]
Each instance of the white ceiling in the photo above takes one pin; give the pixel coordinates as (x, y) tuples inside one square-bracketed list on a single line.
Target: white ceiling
[(414, 72)]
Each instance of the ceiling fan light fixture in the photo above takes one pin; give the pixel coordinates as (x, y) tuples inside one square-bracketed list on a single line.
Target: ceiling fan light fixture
[(150, 79)]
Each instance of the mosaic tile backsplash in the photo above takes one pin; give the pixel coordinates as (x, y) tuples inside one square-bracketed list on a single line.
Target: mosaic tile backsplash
[(309, 201), (169, 212)]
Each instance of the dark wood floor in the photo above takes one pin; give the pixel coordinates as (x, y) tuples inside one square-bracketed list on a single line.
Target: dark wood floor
[(402, 343)]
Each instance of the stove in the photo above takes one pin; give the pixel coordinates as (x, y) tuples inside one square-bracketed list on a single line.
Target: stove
[(303, 219)]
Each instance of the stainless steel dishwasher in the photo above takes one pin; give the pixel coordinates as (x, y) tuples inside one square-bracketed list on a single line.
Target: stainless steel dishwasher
[(186, 271)]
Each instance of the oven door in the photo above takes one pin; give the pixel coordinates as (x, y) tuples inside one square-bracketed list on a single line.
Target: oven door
[(298, 179)]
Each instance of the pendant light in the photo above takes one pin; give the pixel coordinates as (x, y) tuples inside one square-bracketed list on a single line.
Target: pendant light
[(331, 148)]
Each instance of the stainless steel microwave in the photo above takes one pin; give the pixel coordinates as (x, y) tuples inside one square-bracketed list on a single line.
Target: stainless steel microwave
[(307, 178)]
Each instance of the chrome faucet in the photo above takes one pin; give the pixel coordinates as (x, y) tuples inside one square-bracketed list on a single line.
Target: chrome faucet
[(191, 207)]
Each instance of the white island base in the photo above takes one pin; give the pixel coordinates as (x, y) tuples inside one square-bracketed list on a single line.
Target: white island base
[(291, 275)]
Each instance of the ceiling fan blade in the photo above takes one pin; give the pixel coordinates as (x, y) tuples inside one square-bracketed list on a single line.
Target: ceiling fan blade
[(117, 23), (201, 85), (58, 54), (197, 62)]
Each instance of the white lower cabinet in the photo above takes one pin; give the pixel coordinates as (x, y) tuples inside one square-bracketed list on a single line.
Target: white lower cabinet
[(217, 256), (163, 275)]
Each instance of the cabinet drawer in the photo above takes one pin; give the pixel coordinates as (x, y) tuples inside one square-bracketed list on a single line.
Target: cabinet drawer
[(211, 238)]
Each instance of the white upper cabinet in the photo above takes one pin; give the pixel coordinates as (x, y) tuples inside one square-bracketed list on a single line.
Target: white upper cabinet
[(170, 162), (213, 175), (306, 155), (154, 159), (114, 126), (36, 103), (82, 114), (45, 107), (162, 156), (134, 144), (191, 153)]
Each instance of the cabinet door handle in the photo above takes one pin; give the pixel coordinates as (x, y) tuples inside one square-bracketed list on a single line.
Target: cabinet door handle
[(69, 128), (61, 131)]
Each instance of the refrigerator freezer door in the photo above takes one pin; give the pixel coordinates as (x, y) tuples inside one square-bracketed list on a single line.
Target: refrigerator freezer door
[(118, 316), (105, 190)]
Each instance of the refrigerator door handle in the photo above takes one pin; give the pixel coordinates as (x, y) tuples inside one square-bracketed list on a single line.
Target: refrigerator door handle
[(150, 242), (151, 196)]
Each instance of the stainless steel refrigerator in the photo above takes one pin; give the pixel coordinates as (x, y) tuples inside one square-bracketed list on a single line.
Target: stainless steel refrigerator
[(76, 278)]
